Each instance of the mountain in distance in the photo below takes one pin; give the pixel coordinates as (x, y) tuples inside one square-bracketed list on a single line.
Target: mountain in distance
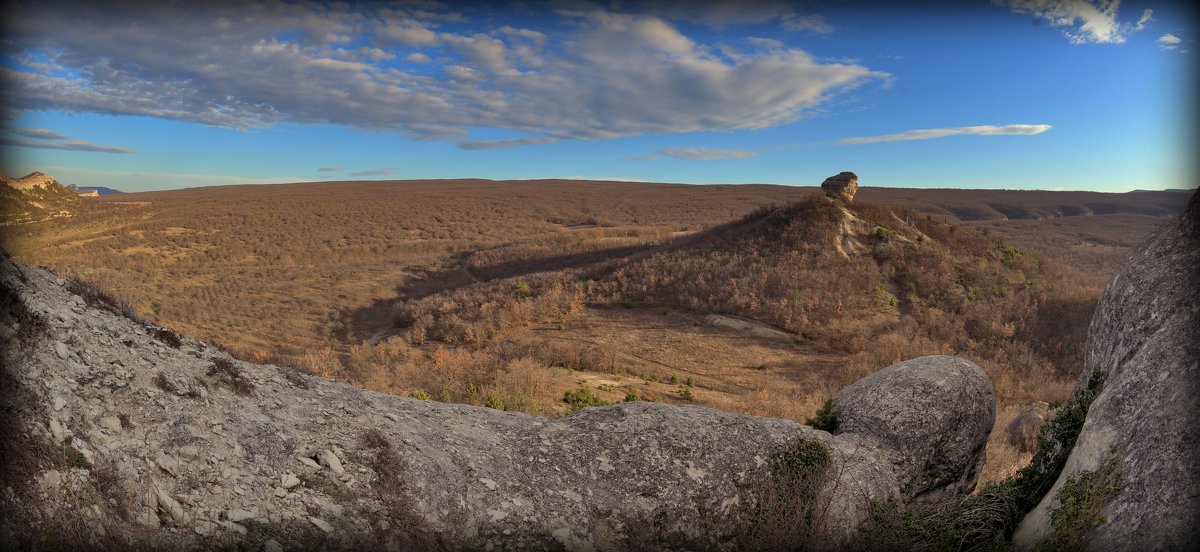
[(100, 190), (93, 191)]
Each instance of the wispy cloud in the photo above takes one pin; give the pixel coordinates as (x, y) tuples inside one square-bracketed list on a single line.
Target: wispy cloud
[(1083, 21), (1169, 42), (558, 80), (707, 154), (385, 171), (329, 169), (1145, 20), (49, 139), (930, 133), (497, 144), (814, 24)]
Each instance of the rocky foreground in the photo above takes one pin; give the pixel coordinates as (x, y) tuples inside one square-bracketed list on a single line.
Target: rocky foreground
[(160, 440), (118, 433)]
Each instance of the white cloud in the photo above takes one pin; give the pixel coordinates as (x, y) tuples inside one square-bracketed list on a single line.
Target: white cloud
[(1085, 21), (1146, 19), (768, 43), (815, 24), (417, 57), (930, 133), (48, 139), (601, 75), (385, 171), (1168, 42), (707, 154)]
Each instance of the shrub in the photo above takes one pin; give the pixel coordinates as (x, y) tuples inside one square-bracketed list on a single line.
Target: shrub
[(228, 374), (1079, 503), (787, 511), (420, 395), (167, 337), (823, 419), (581, 398), (494, 400)]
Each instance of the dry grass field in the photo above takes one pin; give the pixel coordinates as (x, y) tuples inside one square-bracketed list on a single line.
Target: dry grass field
[(548, 296)]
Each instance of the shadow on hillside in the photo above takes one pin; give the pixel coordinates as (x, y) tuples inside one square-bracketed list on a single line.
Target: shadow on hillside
[(378, 320)]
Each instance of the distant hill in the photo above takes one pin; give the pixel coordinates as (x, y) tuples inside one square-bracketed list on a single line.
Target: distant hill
[(101, 190), (35, 196), (1188, 191)]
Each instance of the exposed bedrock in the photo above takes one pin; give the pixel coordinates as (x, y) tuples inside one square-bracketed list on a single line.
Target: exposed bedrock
[(172, 443), (1145, 423)]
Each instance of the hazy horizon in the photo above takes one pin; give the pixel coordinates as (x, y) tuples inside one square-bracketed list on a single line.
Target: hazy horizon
[(1019, 94)]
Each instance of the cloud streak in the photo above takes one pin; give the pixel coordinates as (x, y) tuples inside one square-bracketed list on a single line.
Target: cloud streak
[(48, 139), (931, 133), (707, 154), (385, 171), (497, 144)]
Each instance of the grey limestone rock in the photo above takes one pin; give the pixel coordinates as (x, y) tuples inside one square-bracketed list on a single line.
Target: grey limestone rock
[(934, 413), (1145, 339)]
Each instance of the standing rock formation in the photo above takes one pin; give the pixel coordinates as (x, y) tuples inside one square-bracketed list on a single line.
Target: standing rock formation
[(121, 434), (1143, 430), (842, 185)]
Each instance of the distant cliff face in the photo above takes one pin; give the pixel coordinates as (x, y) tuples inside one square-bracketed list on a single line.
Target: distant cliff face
[(32, 197), (120, 433), (1138, 449), (31, 181)]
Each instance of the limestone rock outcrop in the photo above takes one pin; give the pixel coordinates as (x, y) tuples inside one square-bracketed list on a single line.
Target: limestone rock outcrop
[(1145, 339), (934, 413), (121, 434), (30, 181), (842, 186)]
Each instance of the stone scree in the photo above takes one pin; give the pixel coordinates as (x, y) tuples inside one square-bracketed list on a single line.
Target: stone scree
[(272, 459)]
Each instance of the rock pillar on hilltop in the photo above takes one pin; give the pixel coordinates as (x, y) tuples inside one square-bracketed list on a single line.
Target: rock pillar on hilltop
[(841, 186)]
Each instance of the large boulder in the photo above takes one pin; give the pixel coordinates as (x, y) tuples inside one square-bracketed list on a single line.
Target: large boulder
[(842, 186), (934, 414), (1142, 433), (1022, 431)]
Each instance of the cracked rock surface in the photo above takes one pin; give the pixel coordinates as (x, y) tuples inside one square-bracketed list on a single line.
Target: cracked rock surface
[(1145, 339)]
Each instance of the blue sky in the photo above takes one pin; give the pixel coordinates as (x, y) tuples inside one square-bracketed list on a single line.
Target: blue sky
[(1045, 94)]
